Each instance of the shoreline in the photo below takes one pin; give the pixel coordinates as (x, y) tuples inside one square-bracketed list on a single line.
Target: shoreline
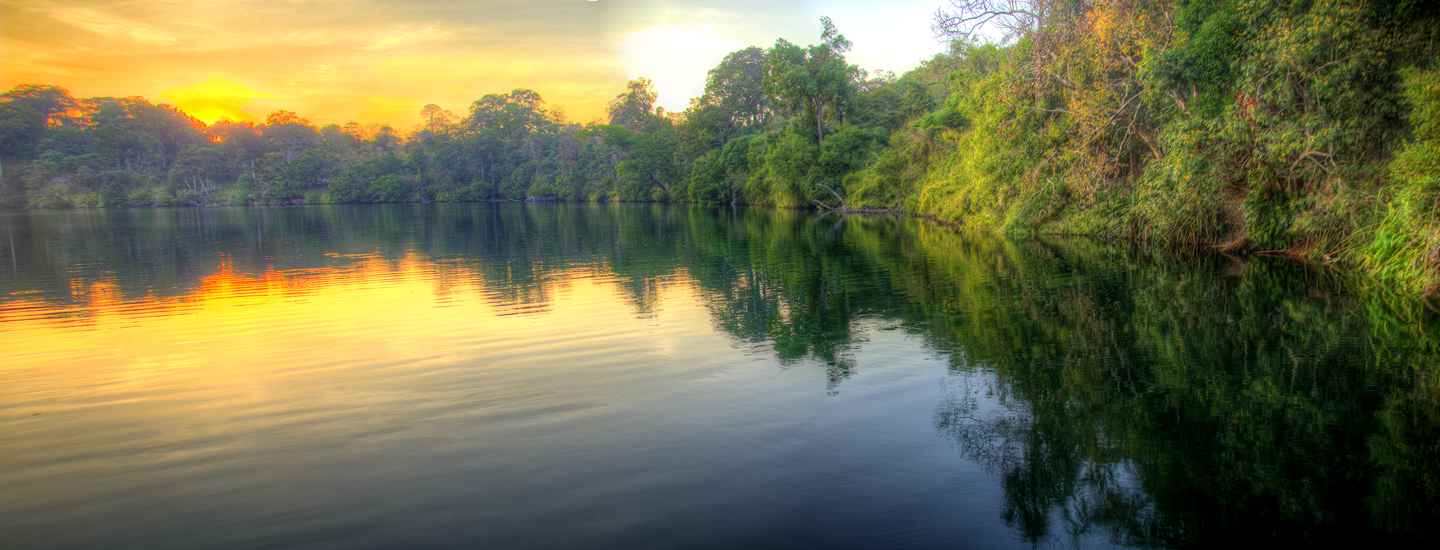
[(1239, 253)]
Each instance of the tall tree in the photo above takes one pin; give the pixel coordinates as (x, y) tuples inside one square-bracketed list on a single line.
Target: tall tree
[(734, 101), (289, 134), (634, 108), (511, 115), (814, 80), (438, 121), (737, 86), (20, 127)]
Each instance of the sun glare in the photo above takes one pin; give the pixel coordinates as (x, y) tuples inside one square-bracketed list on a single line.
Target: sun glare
[(215, 99), (676, 59)]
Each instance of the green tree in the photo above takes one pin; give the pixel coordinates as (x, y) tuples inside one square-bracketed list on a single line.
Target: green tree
[(288, 134), (634, 108), (737, 86), (20, 128), (814, 82), (52, 102)]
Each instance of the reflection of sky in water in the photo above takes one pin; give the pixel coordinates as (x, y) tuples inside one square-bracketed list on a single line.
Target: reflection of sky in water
[(630, 375), (410, 402)]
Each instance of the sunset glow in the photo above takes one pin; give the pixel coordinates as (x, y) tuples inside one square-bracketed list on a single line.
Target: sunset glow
[(215, 99), (377, 62), (228, 310)]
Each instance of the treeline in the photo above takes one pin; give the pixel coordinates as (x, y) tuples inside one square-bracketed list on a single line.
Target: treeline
[(1304, 127), (781, 126)]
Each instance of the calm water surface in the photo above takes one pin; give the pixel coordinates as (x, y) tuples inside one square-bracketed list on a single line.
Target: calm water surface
[(632, 376)]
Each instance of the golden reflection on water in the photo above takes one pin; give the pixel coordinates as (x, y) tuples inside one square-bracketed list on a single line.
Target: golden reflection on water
[(316, 389), (366, 311)]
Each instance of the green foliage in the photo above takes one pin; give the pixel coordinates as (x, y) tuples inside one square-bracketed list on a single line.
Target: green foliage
[(734, 101), (1182, 197), (847, 151), (813, 82), (1199, 65), (788, 158), (377, 179), (1262, 125), (1000, 171), (708, 182), (21, 127), (1406, 245), (634, 108), (942, 119), (115, 186), (736, 144)]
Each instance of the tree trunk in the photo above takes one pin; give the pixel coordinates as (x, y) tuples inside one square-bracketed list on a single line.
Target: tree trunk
[(1150, 142), (819, 115), (659, 183), (254, 178)]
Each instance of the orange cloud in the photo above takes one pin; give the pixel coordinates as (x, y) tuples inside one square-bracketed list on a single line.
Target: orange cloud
[(214, 99)]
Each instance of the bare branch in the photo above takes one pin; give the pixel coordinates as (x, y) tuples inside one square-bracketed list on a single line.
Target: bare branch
[(966, 18), (1180, 102), (1314, 156), (832, 192)]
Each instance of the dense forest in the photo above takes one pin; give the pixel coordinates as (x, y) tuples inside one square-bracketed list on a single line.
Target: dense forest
[(1305, 128)]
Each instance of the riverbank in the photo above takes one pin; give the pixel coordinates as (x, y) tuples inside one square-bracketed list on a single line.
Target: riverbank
[(1414, 296), (1277, 147)]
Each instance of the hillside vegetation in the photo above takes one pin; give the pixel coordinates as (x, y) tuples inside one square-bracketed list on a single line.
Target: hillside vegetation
[(1305, 128)]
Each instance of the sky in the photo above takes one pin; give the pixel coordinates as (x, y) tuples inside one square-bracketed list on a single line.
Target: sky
[(373, 61)]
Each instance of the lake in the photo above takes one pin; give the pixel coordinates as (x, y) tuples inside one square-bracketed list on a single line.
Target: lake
[(509, 375)]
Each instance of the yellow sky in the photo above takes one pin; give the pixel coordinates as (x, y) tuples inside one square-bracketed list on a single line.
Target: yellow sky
[(380, 61)]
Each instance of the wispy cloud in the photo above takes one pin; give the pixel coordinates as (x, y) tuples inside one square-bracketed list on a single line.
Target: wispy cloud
[(399, 37), (111, 26)]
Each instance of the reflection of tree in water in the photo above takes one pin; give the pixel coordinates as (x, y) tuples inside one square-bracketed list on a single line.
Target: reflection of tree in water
[(1187, 403), (762, 316), (1406, 452), (1150, 399), (1050, 495), (776, 278), (799, 288)]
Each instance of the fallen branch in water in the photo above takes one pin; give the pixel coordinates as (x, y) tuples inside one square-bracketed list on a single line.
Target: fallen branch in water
[(837, 196)]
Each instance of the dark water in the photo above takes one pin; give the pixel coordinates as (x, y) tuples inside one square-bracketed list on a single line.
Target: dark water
[(631, 376)]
